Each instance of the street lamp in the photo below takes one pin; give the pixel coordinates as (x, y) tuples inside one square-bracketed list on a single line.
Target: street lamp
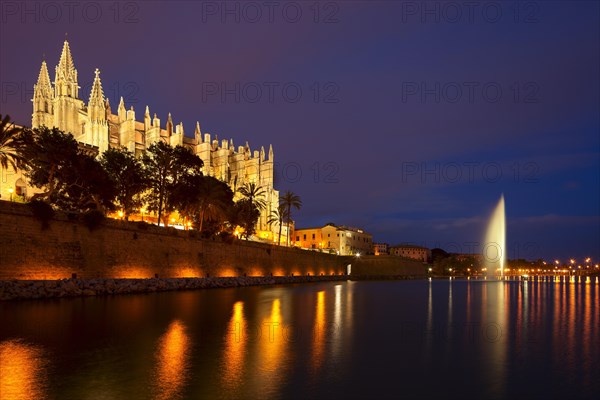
[(11, 190)]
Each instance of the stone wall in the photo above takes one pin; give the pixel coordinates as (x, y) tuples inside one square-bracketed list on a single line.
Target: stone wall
[(119, 249), (386, 265)]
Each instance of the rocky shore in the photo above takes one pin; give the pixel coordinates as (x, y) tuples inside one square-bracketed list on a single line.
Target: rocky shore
[(40, 289)]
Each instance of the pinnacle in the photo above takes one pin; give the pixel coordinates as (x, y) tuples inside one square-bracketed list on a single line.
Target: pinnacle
[(44, 77), (97, 94), (66, 60)]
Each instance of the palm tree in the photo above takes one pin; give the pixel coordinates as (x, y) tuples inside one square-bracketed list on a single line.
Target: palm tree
[(278, 216), (254, 193), (10, 144), (213, 200), (289, 200)]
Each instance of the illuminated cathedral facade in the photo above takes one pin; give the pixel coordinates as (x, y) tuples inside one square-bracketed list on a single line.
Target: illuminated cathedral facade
[(58, 104)]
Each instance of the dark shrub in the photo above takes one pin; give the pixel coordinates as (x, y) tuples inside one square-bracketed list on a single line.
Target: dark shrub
[(142, 225), (72, 216), (41, 211), (92, 219), (226, 237)]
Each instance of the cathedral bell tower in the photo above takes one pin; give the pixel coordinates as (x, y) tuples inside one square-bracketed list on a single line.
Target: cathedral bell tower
[(96, 133), (67, 104), (43, 100)]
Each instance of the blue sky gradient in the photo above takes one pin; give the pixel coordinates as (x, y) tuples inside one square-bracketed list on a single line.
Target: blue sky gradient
[(410, 124)]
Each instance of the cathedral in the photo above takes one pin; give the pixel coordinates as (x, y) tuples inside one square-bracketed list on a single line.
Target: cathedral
[(58, 105)]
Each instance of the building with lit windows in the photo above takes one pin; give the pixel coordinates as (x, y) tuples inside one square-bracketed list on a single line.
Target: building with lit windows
[(381, 248), (411, 251), (334, 239)]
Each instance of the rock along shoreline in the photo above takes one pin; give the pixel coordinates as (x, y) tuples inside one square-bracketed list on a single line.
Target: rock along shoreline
[(44, 289), (48, 289)]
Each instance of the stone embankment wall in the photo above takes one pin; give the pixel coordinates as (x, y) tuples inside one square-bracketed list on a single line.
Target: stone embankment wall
[(120, 249), (66, 258), (383, 265)]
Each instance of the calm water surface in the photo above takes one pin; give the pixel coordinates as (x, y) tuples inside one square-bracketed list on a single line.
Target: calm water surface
[(366, 340)]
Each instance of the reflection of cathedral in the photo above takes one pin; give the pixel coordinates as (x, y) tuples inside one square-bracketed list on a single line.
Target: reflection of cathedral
[(94, 124)]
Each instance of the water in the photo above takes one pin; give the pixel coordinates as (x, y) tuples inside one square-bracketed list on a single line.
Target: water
[(365, 340), (494, 249)]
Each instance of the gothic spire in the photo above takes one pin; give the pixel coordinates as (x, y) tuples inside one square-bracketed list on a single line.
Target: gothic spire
[(96, 106), (147, 120), (65, 78), (43, 86), (121, 111), (97, 94), (66, 66), (169, 126)]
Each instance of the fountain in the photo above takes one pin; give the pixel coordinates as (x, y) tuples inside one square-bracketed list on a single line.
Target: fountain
[(494, 246)]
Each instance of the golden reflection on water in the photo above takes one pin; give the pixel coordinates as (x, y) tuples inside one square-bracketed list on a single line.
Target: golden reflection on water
[(269, 374), (172, 357), (235, 348), (22, 371), (272, 340), (319, 331)]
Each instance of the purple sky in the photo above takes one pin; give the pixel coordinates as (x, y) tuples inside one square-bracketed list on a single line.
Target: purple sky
[(413, 117)]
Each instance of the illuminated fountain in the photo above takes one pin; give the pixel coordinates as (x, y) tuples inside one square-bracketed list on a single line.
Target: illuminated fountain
[(494, 246)]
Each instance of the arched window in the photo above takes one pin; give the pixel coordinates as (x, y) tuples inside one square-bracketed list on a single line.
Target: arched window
[(21, 187)]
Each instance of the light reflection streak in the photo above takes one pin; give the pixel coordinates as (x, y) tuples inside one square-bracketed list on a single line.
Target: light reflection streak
[(235, 348), (429, 329), (349, 306), (319, 331), (450, 322), (172, 357), (271, 350), (587, 330), (337, 321), (571, 317), (497, 337), (22, 371)]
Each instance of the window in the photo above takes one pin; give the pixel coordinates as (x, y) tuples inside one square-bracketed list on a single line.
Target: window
[(313, 236), (329, 235), (297, 238), (304, 236)]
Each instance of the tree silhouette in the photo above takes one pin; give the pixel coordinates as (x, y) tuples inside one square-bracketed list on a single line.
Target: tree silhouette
[(289, 200), (165, 167), (278, 216), (11, 145), (128, 177), (203, 198), (254, 193), (71, 178)]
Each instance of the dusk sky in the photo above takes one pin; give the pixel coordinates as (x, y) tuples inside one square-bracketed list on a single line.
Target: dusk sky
[(406, 119)]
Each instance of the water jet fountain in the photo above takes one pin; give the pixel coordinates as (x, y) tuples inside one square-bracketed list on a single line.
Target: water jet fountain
[(494, 246)]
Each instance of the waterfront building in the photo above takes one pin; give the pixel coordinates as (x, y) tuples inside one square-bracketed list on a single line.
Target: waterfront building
[(342, 240), (411, 251), (381, 248)]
